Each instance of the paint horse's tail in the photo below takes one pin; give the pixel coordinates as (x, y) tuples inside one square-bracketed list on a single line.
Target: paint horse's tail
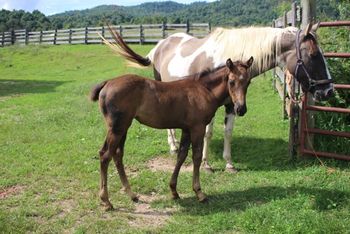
[(124, 50), (95, 92)]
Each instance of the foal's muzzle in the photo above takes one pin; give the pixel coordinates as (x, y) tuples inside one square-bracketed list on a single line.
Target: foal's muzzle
[(240, 110)]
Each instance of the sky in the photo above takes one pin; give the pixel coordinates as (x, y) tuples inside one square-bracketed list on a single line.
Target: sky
[(49, 7)]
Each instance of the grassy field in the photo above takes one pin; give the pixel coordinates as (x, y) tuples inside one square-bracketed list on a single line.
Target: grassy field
[(50, 134)]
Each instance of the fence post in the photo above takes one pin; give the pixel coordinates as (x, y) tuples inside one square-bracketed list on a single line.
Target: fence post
[(141, 35), (86, 35), (55, 37), (187, 26), (41, 37), (308, 16), (163, 30), (70, 36), (209, 27), (294, 14), (3, 39), (26, 36), (103, 33), (13, 37), (121, 30)]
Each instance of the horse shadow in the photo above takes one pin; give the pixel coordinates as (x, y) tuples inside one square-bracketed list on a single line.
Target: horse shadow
[(321, 199), (261, 154), (19, 87)]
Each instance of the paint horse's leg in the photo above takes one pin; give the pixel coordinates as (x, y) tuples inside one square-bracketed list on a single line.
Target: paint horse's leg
[(197, 135), (229, 122), (207, 137), (181, 156), (172, 141)]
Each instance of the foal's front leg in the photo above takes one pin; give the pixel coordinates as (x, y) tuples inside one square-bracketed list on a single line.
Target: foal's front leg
[(181, 156), (228, 128), (197, 135)]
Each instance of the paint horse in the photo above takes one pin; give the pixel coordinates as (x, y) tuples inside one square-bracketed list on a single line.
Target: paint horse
[(188, 104), (181, 55)]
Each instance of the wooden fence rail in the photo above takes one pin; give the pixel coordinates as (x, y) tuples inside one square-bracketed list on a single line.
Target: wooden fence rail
[(146, 33)]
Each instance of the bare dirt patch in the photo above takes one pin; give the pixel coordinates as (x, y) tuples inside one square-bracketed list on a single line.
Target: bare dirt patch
[(167, 165), (145, 216), (10, 191)]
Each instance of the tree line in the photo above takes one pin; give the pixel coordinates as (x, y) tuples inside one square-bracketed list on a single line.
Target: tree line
[(219, 13)]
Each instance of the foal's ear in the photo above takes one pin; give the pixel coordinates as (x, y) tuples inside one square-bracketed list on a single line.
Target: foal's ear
[(315, 26), (307, 29), (229, 64), (250, 61)]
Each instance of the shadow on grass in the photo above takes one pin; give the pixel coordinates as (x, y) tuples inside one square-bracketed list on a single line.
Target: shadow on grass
[(261, 154), (18, 87), (322, 199)]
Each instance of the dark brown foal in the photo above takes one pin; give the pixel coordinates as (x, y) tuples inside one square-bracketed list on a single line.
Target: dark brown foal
[(188, 104)]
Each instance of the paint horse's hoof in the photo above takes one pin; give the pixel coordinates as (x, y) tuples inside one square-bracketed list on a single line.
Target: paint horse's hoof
[(134, 198), (231, 170), (174, 151)]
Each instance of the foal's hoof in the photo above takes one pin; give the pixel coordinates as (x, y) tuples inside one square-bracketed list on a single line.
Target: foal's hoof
[(134, 198), (108, 207), (175, 196), (202, 198)]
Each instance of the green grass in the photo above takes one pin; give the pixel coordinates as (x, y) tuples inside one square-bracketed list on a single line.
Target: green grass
[(50, 134)]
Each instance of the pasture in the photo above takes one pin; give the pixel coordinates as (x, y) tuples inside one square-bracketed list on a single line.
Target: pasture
[(50, 134)]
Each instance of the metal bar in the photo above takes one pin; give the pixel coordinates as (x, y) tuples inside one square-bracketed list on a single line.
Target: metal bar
[(342, 86), (328, 109), (336, 55), (303, 123), (327, 132), (326, 154), (335, 23)]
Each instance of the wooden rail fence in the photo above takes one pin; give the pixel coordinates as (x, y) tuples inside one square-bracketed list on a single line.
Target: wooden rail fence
[(145, 33)]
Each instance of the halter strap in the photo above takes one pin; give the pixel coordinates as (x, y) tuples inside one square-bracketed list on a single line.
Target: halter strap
[(300, 64)]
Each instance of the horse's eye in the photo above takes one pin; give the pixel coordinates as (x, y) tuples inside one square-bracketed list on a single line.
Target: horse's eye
[(231, 82)]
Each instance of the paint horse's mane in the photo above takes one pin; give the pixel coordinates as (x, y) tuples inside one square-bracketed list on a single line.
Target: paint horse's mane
[(263, 43)]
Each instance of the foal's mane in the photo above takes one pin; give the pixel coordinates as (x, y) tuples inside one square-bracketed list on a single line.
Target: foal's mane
[(263, 43)]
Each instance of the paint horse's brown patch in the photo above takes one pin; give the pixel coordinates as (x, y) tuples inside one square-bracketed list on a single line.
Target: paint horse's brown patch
[(191, 46)]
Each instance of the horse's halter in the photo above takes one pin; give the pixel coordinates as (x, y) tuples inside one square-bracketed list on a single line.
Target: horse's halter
[(300, 64)]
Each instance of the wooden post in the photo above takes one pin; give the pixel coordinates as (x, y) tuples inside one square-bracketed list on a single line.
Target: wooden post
[(103, 33), (308, 16), (25, 36), (209, 27), (163, 30), (70, 36), (294, 14), (86, 35), (55, 37), (188, 27), (41, 37), (13, 37), (141, 35), (121, 30), (3, 39)]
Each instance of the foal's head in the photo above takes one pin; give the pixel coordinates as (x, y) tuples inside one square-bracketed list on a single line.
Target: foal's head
[(238, 82)]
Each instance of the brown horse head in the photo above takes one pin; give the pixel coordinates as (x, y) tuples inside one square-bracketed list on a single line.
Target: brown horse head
[(308, 64), (238, 81)]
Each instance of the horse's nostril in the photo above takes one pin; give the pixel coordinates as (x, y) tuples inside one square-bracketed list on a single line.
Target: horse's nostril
[(330, 93)]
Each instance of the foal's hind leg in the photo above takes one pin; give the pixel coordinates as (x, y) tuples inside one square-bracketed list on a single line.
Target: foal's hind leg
[(118, 160), (181, 156), (106, 153)]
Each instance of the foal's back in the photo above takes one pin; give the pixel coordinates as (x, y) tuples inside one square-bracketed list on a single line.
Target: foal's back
[(158, 104)]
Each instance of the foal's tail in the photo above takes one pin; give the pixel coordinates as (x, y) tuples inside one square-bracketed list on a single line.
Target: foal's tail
[(95, 91), (124, 50)]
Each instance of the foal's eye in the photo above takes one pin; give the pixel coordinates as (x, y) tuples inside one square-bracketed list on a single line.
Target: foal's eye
[(231, 82)]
